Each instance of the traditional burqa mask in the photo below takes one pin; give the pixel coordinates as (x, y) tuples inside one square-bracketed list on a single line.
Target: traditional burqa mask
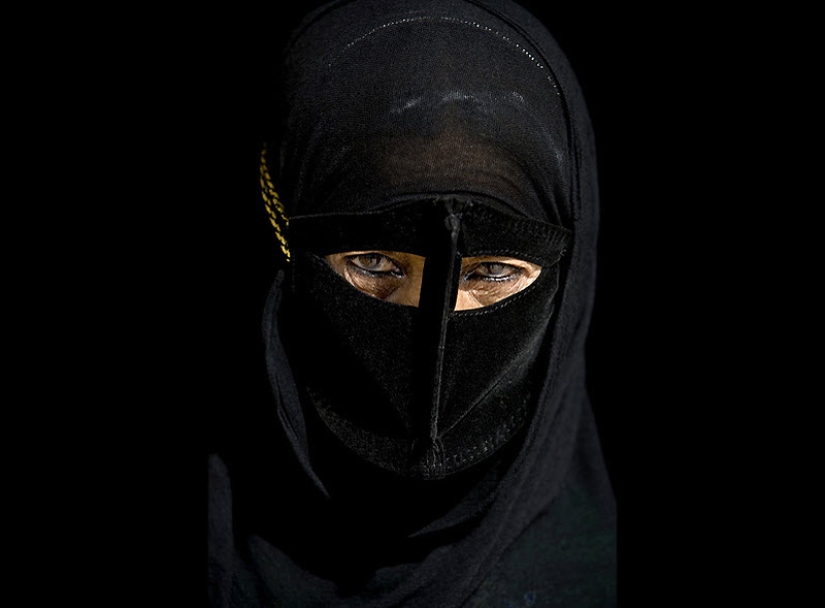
[(445, 139)]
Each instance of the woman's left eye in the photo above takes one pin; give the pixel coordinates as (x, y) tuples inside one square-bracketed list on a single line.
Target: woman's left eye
[(374, 263), (493, 271)]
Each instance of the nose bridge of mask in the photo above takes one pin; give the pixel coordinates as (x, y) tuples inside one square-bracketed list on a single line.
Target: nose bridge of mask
[(439, 291)]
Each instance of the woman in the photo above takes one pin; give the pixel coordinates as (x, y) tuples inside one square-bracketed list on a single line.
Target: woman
[(431, 441)]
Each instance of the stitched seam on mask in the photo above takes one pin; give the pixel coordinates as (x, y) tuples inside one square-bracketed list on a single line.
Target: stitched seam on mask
[(497, 440), (490, 218), (547, 260), (550, 234), (550, 77), (552, 238), (486, 444), (523, 229), (489, 442)]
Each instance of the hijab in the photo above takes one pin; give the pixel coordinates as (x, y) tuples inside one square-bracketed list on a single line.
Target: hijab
[(422, 456)]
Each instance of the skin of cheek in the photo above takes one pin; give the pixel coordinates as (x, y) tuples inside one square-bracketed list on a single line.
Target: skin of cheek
[(384, 289), (404, 290), (477, 294), (407, 293)]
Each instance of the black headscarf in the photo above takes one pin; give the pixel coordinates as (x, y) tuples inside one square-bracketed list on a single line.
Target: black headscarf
[(403, 117)]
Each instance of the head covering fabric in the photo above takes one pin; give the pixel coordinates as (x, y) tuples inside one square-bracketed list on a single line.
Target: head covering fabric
[(390, 104)]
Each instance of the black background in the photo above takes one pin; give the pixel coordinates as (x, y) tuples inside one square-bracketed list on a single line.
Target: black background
[(176, 256)]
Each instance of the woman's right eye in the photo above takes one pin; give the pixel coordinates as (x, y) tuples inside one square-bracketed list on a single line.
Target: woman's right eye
[(375, 263), (394, 276)]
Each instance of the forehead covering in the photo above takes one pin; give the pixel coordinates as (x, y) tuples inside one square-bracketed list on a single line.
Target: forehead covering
[(392, 100)]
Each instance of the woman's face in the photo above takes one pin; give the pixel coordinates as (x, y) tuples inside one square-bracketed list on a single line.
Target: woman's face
[(396, 276)]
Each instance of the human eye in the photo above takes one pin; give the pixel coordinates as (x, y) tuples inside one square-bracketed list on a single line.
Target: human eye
[(494, 271), (375, 264), (487, 280), (387, 275)]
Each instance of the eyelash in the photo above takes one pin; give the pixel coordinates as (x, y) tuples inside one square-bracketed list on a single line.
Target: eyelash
[(513, 273), (395, 272)]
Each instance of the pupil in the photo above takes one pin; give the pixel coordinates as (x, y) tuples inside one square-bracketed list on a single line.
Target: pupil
[(371, 260)]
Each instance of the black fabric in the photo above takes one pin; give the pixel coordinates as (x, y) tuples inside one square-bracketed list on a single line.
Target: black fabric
[(388, 103), (423, 391), (486, 229), (379, 360)]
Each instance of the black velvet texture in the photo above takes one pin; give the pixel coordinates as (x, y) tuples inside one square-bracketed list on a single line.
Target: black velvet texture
[(487, 228), (418, 102), (356, 358), (424, 391)]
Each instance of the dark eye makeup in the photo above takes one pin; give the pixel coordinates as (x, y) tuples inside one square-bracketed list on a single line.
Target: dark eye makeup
[(375, 264), (492, 271), (380, 265), (396, 276)]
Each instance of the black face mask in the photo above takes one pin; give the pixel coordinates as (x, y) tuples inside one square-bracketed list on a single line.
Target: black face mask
[(420, 391)]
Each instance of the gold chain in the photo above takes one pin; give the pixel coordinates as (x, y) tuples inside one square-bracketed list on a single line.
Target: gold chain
[(274, 207)]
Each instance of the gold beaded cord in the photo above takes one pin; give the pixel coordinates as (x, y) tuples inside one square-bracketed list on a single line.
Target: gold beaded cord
[(274, 207)]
